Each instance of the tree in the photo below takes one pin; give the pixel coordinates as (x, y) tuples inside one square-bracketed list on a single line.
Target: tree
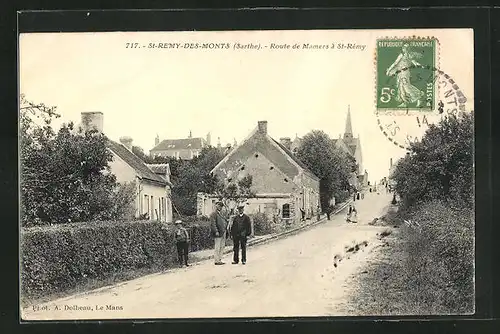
[(140, 153), (65, 176), (333, 166), (235, 192), (440, 166)]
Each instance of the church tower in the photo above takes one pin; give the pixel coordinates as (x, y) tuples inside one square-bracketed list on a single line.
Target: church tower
[(348, 126)]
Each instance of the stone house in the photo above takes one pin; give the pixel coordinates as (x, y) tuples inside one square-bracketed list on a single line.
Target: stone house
[(186, 148), (282, 184), (153, 190)]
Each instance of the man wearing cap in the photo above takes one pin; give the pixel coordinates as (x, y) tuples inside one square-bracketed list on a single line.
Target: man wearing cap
[(240, 230), (218, 231)]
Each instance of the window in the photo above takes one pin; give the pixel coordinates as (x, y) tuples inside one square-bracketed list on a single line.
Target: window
[(285, 212), (146, 204), (152, 215)]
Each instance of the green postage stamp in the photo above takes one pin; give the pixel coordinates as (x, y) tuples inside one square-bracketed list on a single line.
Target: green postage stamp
[(404, 81)]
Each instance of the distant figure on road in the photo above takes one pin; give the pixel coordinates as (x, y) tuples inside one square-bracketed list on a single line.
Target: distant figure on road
[(182, 243), (240, 231), (329, 211), (354, 215), (218, 232), (357, 196), (349, 213), (303, 213)]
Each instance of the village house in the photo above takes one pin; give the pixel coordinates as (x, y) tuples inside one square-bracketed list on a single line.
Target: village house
[(186, 148), (153, 189), (281, 183)]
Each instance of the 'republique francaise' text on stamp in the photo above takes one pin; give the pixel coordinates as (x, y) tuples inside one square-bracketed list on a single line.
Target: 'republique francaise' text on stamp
[(400, 67)]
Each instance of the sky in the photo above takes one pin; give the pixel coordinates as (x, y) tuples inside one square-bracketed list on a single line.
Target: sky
[(143, 91)]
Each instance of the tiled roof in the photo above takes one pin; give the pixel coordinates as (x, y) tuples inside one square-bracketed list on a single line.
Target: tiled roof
[(135, 162), (179, 144), (158, 168), (294, 158)]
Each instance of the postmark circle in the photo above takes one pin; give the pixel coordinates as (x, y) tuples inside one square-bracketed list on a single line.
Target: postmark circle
[(418, 109)]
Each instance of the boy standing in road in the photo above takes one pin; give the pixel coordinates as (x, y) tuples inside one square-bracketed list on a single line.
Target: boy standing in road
[(182, 243)]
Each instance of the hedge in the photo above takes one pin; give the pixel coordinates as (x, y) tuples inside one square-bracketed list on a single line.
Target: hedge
[(61, 257)]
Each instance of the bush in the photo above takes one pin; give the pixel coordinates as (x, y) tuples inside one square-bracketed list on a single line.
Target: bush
[(262, 224), (440, 262), (199, 232), (61, 257)]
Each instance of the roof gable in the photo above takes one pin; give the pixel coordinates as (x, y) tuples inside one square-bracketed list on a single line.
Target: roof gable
[(295, 159), (273, 150), (179, 144), (135, 162)]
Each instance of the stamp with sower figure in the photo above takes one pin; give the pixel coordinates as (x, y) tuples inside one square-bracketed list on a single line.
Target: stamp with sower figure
[(411, 92), (398, 62)]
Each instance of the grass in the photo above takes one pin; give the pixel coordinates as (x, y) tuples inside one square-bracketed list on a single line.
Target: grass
[(379, 288), (418, 271)]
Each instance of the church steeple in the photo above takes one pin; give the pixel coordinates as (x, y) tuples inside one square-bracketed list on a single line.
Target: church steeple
[(348, 125)]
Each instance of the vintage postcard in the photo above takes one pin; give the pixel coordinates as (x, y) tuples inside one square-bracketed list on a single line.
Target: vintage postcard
[(252, 174)]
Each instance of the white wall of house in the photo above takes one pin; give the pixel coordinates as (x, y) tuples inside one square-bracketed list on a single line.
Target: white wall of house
[(151, 198), (155, 201), (122, 170)]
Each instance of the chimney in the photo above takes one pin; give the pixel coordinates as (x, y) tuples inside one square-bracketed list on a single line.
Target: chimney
[(157, 140), (262, 125), (92, 120), (127, 142), (390, 163), (167, 172), (209, 139), (287, 142)]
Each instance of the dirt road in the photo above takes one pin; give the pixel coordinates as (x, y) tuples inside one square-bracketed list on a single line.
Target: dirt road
[(294, 276)]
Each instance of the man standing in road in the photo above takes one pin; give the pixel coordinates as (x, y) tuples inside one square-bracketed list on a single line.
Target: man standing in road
[(218, 231), (240, 230)]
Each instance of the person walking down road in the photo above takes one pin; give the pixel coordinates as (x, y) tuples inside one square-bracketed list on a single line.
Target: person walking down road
[(182, 242), (218, 232), (349, 213), (354, 216), (303, 213), (241, 229)]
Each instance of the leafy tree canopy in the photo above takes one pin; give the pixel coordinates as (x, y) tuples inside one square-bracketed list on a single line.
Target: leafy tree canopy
[(65, 175), (440, 166), (333, 166)]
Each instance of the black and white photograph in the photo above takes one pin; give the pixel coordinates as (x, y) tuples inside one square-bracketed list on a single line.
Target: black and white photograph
[(246, 174)]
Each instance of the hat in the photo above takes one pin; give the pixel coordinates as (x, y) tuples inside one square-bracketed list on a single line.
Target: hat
[(219, 203), (241, 206), (178, 222)]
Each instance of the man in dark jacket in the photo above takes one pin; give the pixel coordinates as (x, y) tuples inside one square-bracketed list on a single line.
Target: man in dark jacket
[(240, 230), (218, 232)]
